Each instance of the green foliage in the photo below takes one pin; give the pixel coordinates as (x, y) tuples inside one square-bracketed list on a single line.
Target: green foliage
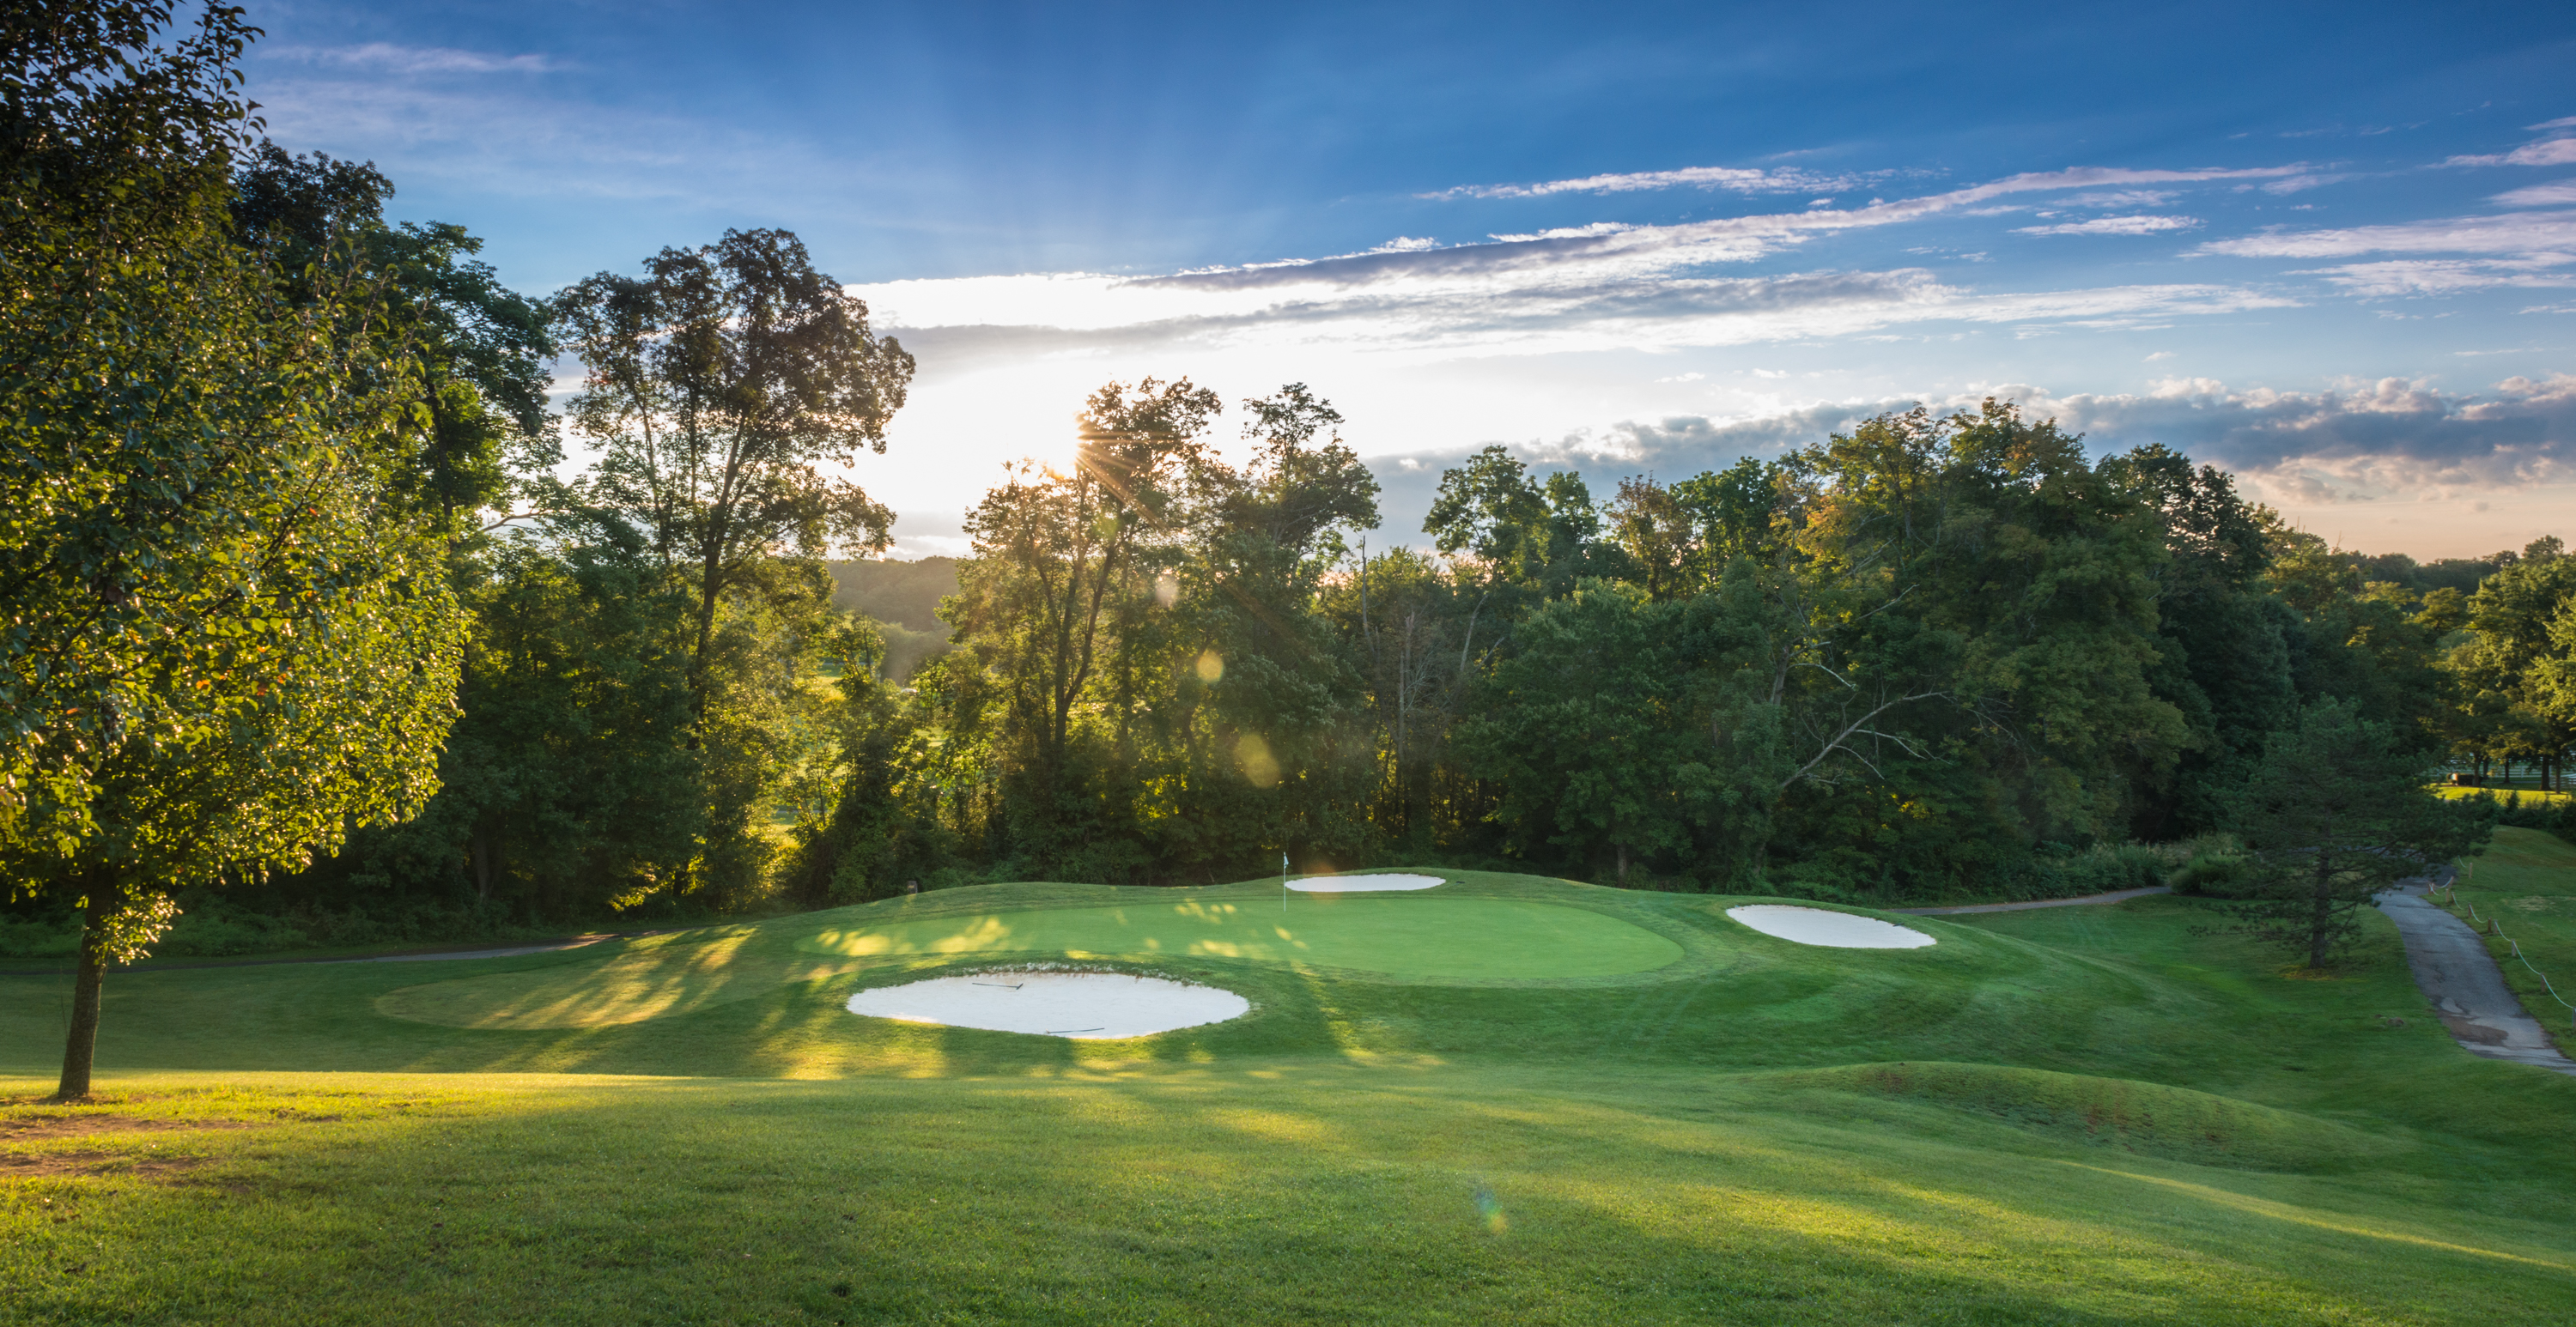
[(228, 640), (2336, 812), (721, 387)]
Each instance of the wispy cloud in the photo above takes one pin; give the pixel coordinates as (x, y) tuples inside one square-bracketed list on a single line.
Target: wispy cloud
[(2444, 276), (2516, 232), (384, 57), (2546, 152), (1607, 286), (2149, 225), (1731, 179), (2560, 194), (2124, 198), (1636, 250), (2299, 184)]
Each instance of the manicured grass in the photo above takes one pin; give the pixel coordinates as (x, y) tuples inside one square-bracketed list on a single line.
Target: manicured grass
[(2086, 1115), (1405, 935)]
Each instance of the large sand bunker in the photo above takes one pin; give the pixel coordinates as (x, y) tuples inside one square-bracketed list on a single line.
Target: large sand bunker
[(1357, 884), (1086, 1006), (1837, 930)]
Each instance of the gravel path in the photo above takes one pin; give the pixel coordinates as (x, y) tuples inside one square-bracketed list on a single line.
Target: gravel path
[(2115, 896), (2460, 977)]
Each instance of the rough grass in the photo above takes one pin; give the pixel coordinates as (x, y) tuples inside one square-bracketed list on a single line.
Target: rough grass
[(2082, 1115), (2525, 883)]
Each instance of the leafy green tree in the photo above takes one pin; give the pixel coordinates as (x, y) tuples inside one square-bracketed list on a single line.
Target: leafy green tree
[(1060, 561), (2336, 812), (1402, 617), (1589, 728), (2222, 639), (1267, 739), (720, 387), (225, 643), (2506, 668), (481, 350), (567, 788)]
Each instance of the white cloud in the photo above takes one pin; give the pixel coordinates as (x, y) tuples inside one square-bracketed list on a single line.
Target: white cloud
[(2517, 232), (383, 57), (2559, 194), (2441, 276), (1599, 287), (2124, 198), (2365, 439), (2113, 226), (1728, 178), (2297, 183), (2565, 122), (2546, 152)]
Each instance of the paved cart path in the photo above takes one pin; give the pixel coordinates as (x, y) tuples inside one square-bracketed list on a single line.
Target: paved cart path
[(2467, 989)]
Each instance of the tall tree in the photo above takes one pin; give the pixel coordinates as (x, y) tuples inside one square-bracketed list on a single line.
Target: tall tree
[(481, 349), (1589, 728), (2336, 812), (228, 640), (1059, 557), (2222, 639), (2505, 667), (720, 386)]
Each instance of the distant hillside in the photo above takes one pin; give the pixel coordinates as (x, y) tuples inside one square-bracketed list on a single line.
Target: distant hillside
[(904, 596), (902, 592)]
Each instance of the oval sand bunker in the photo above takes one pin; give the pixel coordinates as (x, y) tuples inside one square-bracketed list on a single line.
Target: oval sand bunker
[(1355, 884), (1086, 1006), (1838, 930)]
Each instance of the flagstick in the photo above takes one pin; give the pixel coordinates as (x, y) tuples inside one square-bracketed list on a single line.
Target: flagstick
[(1283, 884)]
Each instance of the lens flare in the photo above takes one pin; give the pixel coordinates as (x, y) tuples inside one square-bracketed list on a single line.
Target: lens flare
[(1490, 1209), (1261, 767)]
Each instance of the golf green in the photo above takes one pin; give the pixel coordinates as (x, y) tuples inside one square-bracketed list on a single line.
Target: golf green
[(1470, 938)]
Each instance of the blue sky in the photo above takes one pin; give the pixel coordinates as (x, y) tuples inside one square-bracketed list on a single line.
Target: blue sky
[(2332, 248)]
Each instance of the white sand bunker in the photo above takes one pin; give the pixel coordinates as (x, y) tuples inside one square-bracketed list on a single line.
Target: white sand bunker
[(1086, 1006), (1353, 884), (1815, 926)]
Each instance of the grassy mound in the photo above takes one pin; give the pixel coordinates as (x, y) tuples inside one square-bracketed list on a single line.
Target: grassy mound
[(2147, 1119), (655, 978)]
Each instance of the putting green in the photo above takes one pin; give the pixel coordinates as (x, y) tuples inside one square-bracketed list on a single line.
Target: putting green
[(1471, 938), (1454, 938)]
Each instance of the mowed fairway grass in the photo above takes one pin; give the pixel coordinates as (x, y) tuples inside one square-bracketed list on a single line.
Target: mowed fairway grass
[(1647, 1114)]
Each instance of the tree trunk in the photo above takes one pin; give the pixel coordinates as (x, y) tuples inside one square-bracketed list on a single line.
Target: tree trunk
[(1623, 865), (2320, 917), (479, 848), (81, 1046)]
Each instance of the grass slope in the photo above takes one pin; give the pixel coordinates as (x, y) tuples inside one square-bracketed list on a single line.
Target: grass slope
[(2083, 1115), (2525, 885)]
